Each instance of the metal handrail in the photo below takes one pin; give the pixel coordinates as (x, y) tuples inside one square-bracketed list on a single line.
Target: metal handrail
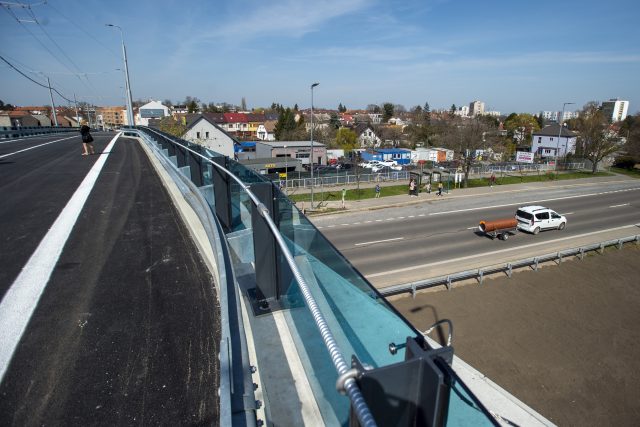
[(357, 400), (507, 268)]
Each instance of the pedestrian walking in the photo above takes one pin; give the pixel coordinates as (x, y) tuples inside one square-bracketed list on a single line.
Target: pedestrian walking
[(492, 180), (344, 194), (87, 141), (428, 187), (440, 188), (377, 191)]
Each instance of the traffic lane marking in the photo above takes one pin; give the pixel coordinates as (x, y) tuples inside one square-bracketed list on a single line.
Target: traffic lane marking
[(618, 206), (379, 241), (35, 146), (500, 251)]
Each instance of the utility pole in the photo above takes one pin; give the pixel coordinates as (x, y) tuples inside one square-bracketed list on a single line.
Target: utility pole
[(75, 101), (53, 106)]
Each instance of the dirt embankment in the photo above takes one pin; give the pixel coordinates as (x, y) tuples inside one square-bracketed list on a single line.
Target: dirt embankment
[(565, 340)]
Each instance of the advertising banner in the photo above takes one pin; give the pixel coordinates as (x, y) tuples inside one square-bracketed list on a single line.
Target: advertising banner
[(524, 157)]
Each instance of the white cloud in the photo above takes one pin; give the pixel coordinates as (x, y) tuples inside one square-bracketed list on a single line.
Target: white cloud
[(292, 18)]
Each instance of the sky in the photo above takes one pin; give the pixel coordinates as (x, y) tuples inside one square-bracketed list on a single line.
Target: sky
[(515, 56)]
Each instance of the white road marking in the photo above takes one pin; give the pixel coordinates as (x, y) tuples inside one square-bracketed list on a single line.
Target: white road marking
[(22, 298), (472, 228), (617, 206), (531, 202), (379, 241), (345, 224), (433, 264), (568, 213), (35, 146)]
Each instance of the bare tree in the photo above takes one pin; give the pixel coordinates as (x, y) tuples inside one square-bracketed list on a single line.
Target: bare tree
[(466, 137), (596, 140)]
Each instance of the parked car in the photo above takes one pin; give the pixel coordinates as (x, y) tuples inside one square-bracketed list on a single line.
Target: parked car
[(534, 219), (370, 164)]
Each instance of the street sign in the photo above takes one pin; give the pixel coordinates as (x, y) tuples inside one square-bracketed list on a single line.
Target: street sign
[(282, 174), (524, 157)]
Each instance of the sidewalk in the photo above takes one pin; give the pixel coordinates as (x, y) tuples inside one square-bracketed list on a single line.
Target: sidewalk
[(334, 207)]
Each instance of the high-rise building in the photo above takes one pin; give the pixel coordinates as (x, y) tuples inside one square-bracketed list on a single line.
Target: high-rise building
[(476, 108), (615, 110)]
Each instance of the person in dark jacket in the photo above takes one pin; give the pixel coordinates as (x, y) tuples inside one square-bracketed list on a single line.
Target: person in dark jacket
[(87, 141)]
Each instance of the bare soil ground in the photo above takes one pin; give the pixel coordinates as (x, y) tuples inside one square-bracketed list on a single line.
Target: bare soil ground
[(565, 339)]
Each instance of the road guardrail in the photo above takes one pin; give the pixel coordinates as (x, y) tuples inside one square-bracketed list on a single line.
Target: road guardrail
[(506, 268)]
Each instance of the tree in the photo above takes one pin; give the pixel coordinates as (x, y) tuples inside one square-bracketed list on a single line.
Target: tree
[(373, 108), (387, 111), (466, 137), (631, 130), (595, 138), (6, 107), (427, 113), (287, 129), (334, 121), (295, 107), (342, 108), (192, 104), (172, 126), (346, 139), (167, 103), (521, 126)]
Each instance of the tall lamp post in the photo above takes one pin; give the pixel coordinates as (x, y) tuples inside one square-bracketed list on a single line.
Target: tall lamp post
[(286, 168), (126, 77), (311, 156), (560, 120)]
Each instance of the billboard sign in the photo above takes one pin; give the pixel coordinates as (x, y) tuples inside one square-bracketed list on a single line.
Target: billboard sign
[(151, 113), (524, 157)]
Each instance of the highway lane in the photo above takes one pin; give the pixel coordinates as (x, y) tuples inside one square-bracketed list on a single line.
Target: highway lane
[(37, 178), (383, 242), (116, 320)]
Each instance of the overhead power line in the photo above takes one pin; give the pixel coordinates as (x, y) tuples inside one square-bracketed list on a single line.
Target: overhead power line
[(34, 81)]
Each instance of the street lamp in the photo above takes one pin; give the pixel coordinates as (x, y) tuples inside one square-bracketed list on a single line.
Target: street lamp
[(286, 168), (126, 77), (560, 120), (311, 157)]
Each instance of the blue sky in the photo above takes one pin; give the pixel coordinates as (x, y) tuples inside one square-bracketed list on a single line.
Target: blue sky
[(513, 55)]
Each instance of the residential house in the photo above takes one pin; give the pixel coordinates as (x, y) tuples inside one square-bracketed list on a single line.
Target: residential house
[(236, 124), (266, 131), (546, 144), (254, 120), (22, 119), (43, 120), (151, 110), (367, 137), (436, 155), (204, 131)]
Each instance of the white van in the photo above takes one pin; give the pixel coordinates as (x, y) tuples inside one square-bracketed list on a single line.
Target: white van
[(533, 219)]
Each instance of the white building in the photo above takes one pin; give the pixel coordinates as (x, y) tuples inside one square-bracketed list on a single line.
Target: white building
[(204, 131), (462, 111), (476, 108), (545, 142), (615, 110), (151, 110), (552, 116)]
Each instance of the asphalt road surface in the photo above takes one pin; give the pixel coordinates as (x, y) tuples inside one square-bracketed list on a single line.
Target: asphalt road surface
[(403, 244), (108, 313)]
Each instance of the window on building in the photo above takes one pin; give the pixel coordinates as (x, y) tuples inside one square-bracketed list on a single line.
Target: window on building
[(198, 135), (206, 134)]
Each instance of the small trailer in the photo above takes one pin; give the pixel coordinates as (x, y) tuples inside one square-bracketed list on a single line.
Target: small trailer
[(500, 228)]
